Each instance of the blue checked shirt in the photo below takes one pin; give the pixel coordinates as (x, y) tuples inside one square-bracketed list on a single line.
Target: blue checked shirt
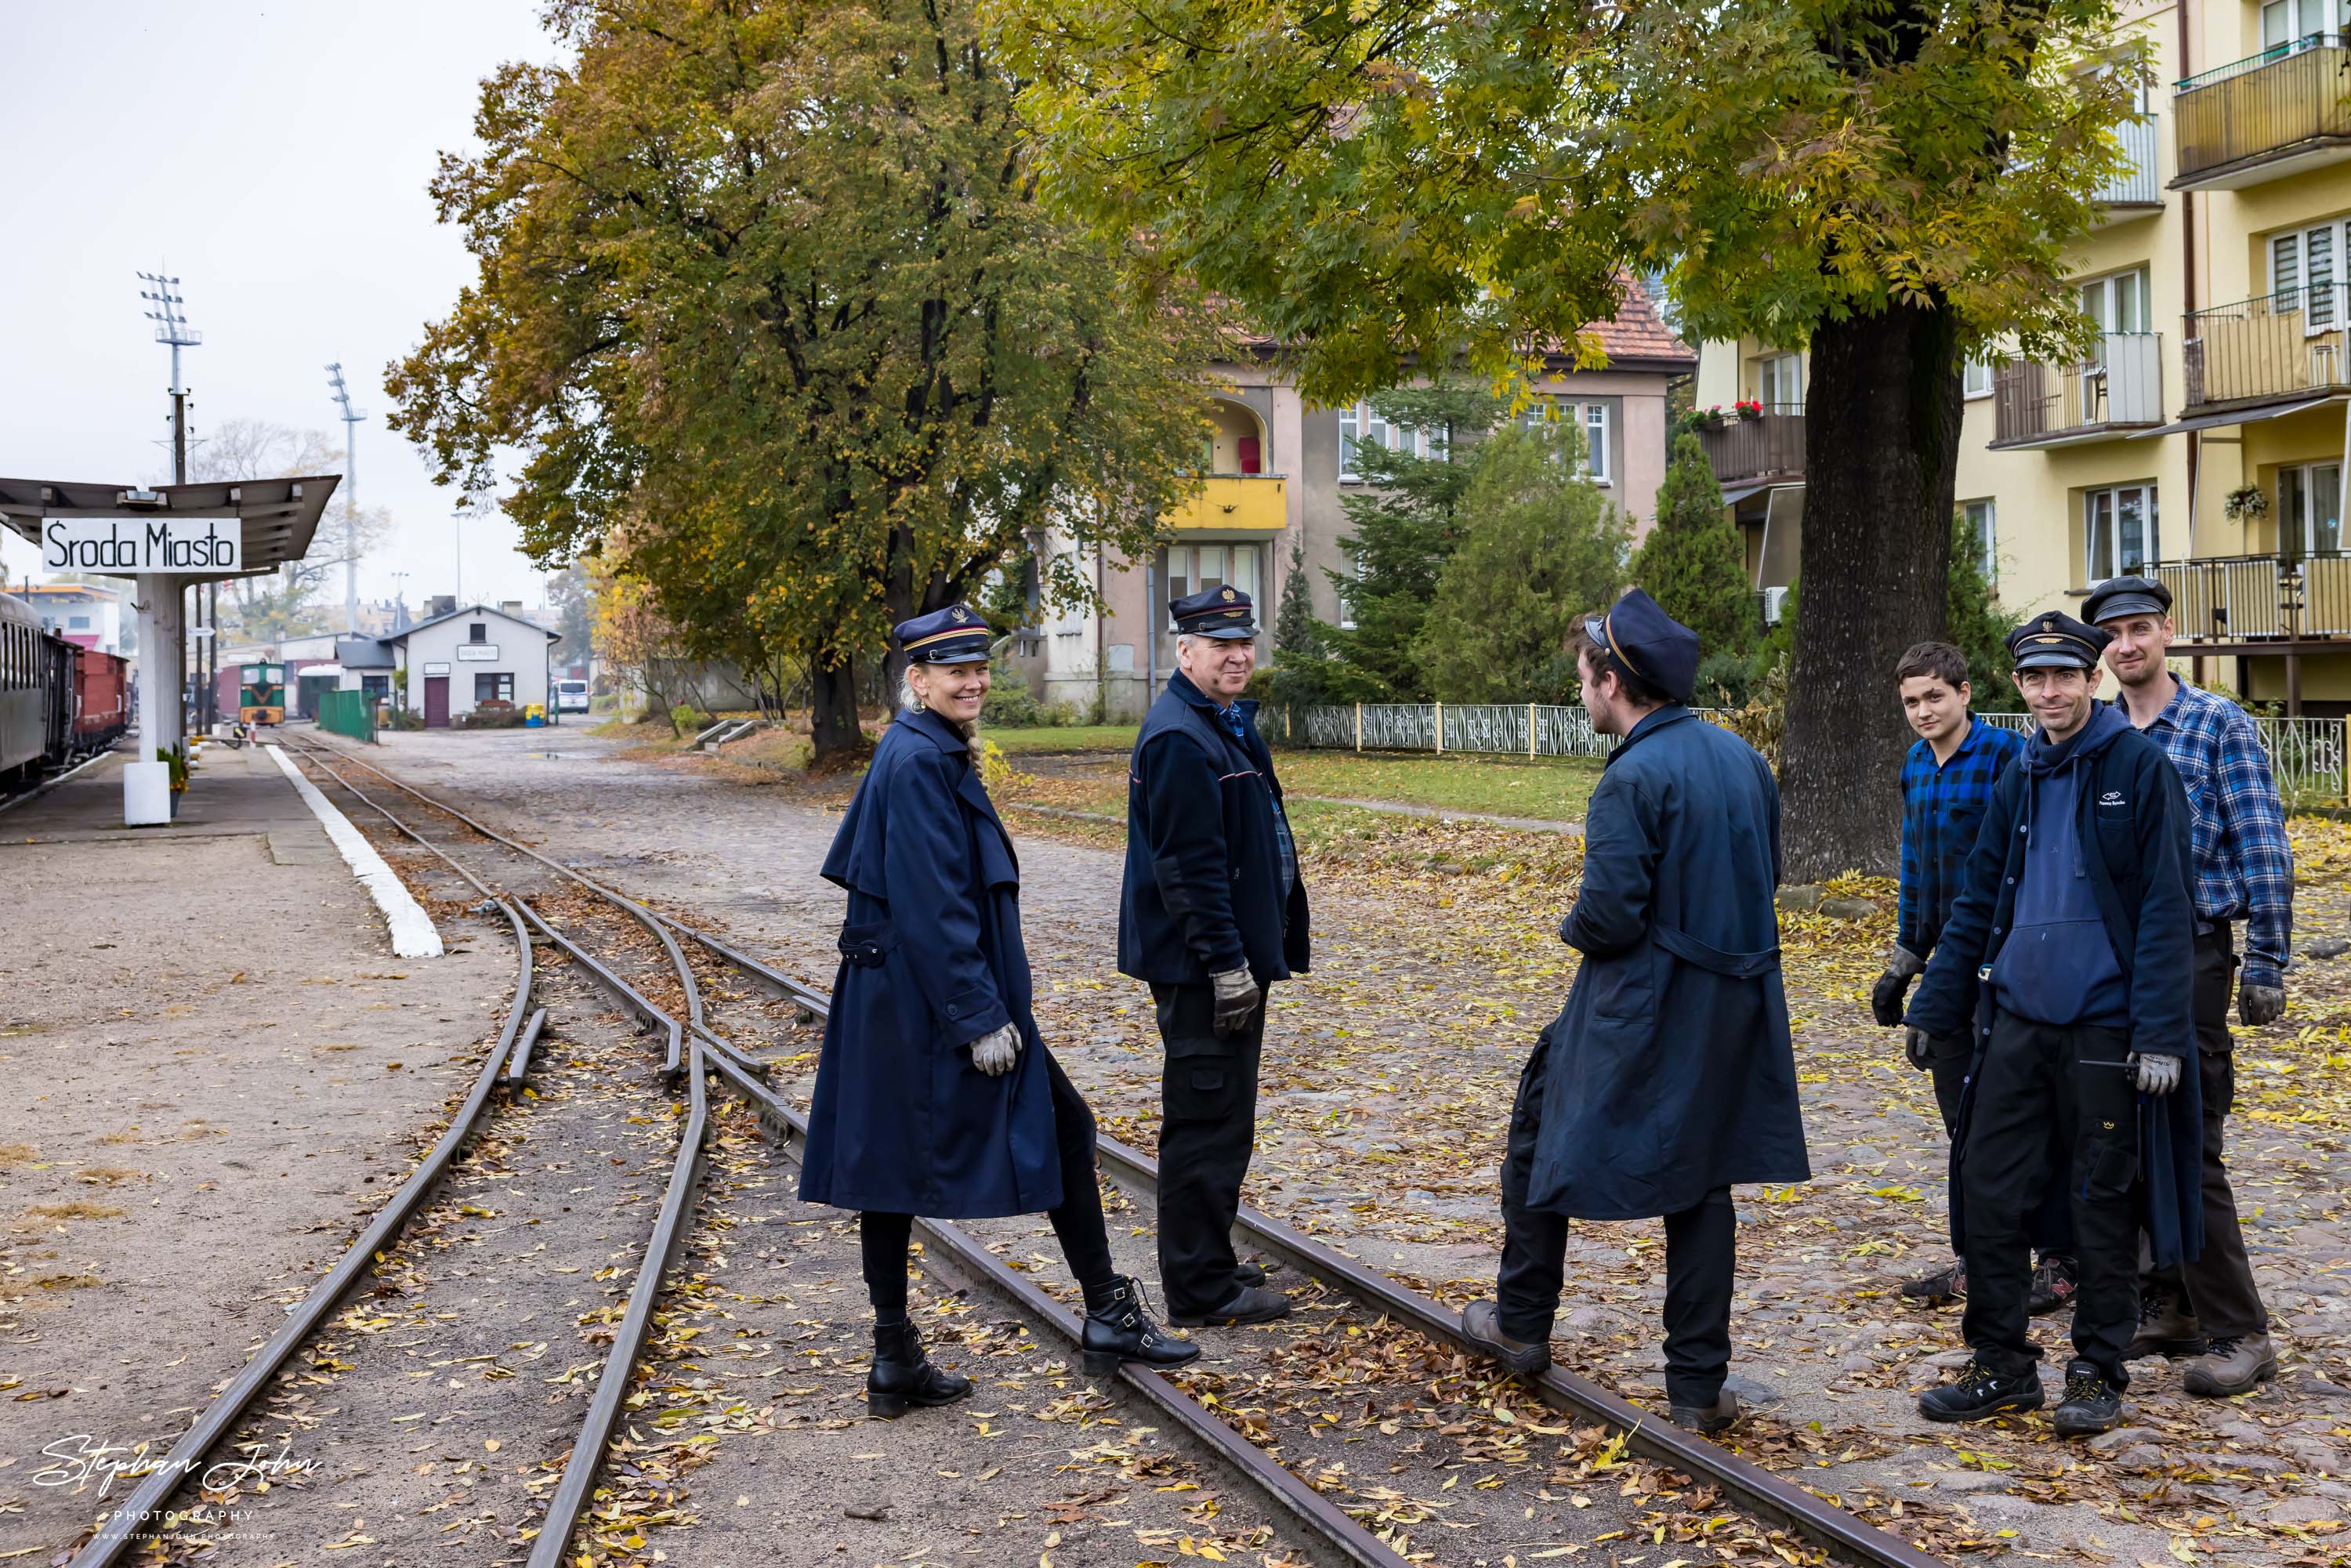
[(1942, 805), (2244, 867)]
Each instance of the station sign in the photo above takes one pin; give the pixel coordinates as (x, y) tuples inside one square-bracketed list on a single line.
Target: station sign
[(436, 668), (478, 653), (118, 547)]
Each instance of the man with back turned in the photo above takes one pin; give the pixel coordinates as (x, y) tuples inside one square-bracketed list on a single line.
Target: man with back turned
[(1212, 912), (1669, 1074)]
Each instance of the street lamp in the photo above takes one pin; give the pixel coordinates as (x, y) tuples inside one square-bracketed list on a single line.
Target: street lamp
[(351, 500)]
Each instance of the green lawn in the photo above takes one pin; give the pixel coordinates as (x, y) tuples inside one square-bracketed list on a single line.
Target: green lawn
[(1066, 738), (1554, 789)]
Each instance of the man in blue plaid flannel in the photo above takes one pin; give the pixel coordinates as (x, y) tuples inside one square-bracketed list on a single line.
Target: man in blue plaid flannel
[(1946, 781), (2210, 1308)]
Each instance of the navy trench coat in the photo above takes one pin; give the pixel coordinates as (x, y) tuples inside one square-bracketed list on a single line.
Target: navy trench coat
[(931, 960), (1670, 1073)]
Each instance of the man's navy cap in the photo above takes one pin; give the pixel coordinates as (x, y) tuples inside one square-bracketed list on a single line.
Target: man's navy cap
[(956, 635), (1222, 613), (2120, 596), (1641, 639), (2054, 642)]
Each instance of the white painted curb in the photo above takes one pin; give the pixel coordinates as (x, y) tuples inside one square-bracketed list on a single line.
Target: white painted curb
[(412, 936)]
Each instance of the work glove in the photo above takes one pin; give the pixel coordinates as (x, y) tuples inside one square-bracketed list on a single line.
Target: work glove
[(1913, 1046), (2156, 1074), (994, 1053), (2258, 1005), (1886, 997), (1237, 998)]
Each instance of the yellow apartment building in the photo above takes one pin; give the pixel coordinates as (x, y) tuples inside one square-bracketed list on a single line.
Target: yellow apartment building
[(2208, 435)]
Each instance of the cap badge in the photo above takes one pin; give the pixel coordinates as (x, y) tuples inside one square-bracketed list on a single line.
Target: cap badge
[(958, 615), (1228, 596)]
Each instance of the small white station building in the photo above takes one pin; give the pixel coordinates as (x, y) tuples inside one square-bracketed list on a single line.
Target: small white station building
[(456, 661)]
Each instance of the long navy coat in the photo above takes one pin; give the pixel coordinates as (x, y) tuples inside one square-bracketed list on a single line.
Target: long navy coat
[(931, 961), (1203, 891), (1670, 1071)]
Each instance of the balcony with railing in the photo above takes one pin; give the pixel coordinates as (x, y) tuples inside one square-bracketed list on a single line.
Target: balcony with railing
[(1749, 451), (2118, 392), (1235, 503), (2136, 189), (2260, 119), (2267, 350), (2260, 598)]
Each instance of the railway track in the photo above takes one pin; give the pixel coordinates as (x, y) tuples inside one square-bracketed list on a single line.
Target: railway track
[(1365, 1339)]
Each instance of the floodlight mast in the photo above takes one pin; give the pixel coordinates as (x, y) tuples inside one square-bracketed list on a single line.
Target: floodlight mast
[(173, 328), (351, 500)]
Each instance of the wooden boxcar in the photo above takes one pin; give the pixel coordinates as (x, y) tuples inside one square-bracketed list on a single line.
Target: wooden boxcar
[(102, 701)]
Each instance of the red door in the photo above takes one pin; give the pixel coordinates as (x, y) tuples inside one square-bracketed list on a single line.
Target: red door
[(436, 702)]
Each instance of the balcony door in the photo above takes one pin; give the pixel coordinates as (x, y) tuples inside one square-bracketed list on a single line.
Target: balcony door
[(1780, 383), (2299, 24), (1193, 568), (2310, 509), (2118, 531), (2303, 266)]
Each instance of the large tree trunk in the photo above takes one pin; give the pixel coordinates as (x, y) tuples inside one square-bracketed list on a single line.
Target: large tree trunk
[(833, 713), (1881, 448)]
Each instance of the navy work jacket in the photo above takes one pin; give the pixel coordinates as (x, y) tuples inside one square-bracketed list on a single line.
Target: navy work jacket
[(1203, 891), (931, 960), (2133, 822), (1670, 1072)]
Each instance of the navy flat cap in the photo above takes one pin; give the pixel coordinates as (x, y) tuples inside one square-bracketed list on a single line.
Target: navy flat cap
[(1643, 641), (1221, 613), (2055, 642), (956, 635), (2120, 596)]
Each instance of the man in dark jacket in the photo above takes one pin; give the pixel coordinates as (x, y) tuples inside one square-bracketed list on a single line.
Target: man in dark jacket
[(1213, 911), (1668, 1075), (2070, 948)]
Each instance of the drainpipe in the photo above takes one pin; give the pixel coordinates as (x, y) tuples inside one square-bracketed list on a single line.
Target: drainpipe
[(1102, 665), (2188, 274)]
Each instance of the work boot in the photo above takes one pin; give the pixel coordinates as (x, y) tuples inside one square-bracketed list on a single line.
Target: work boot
[(1246, 1274), (1707, 1419), (2166, 1327), (2053, 1282), (1117, 1329), (1250, 1304), (903, 1375), (1943, 1285), (1481, 1324), (2091, 1403), (1981, 1393), (2235, 1365)]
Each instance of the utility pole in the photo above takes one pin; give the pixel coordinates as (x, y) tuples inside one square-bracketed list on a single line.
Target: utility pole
[(350, 501), (457, 543), (172, 328)]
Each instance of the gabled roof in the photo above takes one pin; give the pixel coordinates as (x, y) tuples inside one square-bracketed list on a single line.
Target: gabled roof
[(1637, 336), (363, 652), (415, 626)]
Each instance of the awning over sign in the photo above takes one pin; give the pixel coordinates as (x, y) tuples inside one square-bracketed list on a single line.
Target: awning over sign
[(2239, 416), (279, 516)]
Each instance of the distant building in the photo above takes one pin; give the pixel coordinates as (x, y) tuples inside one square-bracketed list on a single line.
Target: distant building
[(80, 613), (455, 662)]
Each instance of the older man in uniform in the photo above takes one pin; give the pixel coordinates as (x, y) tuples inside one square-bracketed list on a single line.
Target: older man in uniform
[(1212, 912), (1669, 1074)]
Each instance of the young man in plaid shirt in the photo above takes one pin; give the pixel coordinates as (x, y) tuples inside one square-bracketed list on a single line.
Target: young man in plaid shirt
[(2242, 870), (1946, 781)]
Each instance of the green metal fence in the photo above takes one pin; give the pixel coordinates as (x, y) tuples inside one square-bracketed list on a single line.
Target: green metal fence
[(347, 713)]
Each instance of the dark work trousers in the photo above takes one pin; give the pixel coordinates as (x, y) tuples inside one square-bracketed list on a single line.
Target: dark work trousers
[(1076, 1222), (1701, 1253), (1208, 1127), (2051, 1224), (2220, 1284), (2030, 1075)]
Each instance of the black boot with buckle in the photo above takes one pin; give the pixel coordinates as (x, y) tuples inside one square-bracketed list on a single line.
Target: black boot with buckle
[(903, 1375), (1117, 1329)]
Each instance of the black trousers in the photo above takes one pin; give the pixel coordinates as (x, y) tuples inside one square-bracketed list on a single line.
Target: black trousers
[(1701, 1256), (1207, 1129), (2051, 1223), (2032, 1075), (1077, 1221), (2220, 1284)]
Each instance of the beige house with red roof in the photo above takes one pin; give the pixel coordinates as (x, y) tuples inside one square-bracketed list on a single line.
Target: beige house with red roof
[(1277, 469)]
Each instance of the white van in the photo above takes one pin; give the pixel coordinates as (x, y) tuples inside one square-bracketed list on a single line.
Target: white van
[(572, 696)]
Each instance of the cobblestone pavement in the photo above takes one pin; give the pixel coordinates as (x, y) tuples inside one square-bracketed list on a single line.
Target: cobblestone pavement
[(1388, 1074)]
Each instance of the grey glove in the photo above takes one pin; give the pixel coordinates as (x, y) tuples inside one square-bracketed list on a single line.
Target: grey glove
[(2258, 1005), (2156, 1074), (994, 1053), (1237, 998), (1913, 1046)]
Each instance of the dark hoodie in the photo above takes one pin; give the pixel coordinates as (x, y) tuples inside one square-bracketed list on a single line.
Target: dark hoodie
[(2058, 965)]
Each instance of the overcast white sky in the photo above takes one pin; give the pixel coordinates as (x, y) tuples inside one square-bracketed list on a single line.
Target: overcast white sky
[(276, 157)]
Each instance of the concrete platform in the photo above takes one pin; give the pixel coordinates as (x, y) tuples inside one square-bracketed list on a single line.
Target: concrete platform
[(231, 792)]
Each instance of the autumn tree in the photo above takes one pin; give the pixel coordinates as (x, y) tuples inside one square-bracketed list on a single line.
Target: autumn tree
[(771, 285), (1892, 183), (1692, 561)]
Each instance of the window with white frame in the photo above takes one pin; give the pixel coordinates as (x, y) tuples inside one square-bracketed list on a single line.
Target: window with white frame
[(1350, 568), (2310, 508), (1982, 529), (2306, 274), (1193, 569), (1975, 380), (2300, 24), (1361, 425), (2118, 302), (1595, 421), (2118, 531), (1780, 383)]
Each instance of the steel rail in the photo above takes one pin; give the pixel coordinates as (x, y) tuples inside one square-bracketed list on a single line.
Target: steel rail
[(121, 1527), (574, 1490), (519, 1059)]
